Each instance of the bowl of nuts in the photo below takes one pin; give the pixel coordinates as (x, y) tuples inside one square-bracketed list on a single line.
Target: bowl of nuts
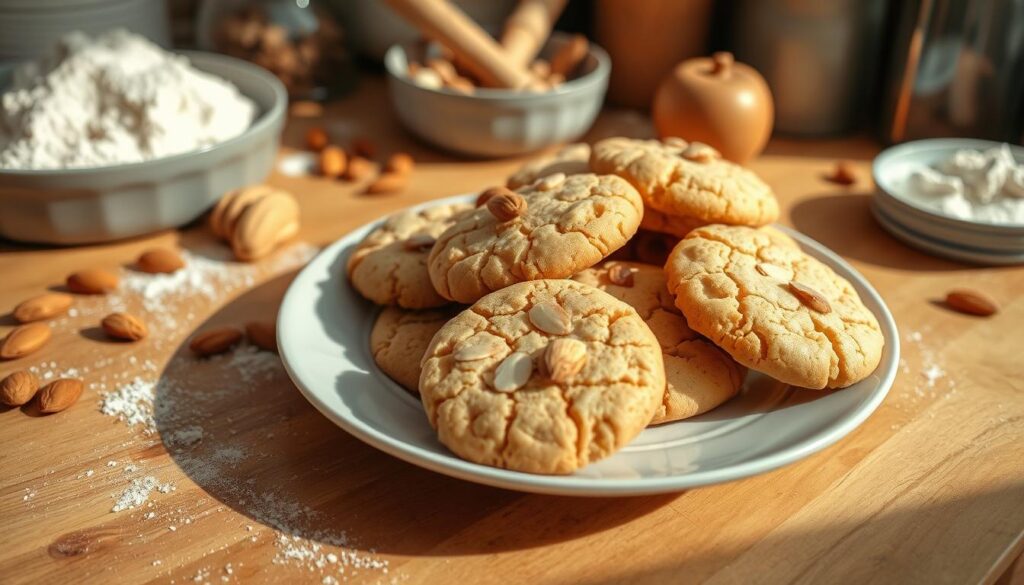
[(444, 105)]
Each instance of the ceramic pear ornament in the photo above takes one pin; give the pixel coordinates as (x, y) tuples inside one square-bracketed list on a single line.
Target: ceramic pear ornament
[(717, 101)]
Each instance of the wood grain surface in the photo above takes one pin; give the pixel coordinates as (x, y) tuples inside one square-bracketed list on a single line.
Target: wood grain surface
[(930, 489)]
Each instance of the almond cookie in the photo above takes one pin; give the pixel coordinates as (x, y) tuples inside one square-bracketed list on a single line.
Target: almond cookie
[(400, 338), (688, 180), (543, 377), (573, 159), (699, 375), (389, 267), (551, 229), (773, 308)]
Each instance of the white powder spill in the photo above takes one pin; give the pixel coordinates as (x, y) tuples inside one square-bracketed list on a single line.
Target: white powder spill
[(138, 492)]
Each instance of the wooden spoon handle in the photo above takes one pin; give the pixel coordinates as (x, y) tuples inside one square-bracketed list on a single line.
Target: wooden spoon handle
[(528, 28), (471, 45)]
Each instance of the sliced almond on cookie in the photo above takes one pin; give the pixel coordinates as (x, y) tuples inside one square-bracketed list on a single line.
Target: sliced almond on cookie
[(478, 347), (813, 299), (565, 357), (550, 318), (513, 372)]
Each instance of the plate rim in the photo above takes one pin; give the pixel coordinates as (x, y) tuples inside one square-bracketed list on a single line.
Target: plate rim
[(571, 485)]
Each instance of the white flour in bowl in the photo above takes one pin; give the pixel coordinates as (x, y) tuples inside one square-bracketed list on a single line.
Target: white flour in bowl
[(113, 99)]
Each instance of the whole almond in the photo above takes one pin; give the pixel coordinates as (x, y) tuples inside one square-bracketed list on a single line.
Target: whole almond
[(478, 347), (387, 183), (810, 297), (492, 192), (24, 339), (215, 341), (264, 225), (358, 169), (364, 147), (124, 326), (316, 138), (333, 162), (400, 163), (18, 388), (92, 281), (550, 318), (506, 207), (60, 394), (621, 275), (419, 243), (43, 306), (160, 261), (262, 334), (843, 173), (513, 372), (971, 302), (227, 211), (564, 358)]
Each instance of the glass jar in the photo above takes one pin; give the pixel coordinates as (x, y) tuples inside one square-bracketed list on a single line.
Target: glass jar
[(302, 44)]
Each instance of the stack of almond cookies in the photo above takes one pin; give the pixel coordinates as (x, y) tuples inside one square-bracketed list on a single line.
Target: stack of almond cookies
[(544, 329)]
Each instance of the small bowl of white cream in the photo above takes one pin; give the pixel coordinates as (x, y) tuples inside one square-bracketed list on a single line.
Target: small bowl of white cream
[(955, 197)]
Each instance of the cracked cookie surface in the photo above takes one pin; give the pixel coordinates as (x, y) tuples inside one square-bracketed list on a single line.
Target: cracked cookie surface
[(386, 271), (570, 160), (717, 191), (399, 339), (733, 285), (699, 375), (567, 226), (542, 426)]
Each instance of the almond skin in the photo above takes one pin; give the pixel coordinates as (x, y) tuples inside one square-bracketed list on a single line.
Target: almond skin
[(387, 183), (621, 275), (42, 307), (316, 138), (506, 207), (843, 173), (400, 162), (160, 261), (358, 169), (92, 281), (564, 358), (215, 341), (971, 302), (488, 194), (262, 334), (60, 394), (810, 297), (264, 225), (124, 326), (333, 161), (18, 388), (24, 340)]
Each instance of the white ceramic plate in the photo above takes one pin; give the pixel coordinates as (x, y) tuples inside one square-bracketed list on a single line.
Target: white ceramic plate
[(323, 335), (943, 248)]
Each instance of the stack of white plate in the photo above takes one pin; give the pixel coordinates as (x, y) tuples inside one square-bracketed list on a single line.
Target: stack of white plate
[(930, 230), (29, 27)]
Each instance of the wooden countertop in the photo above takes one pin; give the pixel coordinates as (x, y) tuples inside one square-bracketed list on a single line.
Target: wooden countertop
[(929, 490)]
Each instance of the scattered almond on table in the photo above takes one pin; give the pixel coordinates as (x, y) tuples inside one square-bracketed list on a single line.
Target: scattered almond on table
[(42, 307), (18, 388), (971, 303), (124, 326), (262, 334), (316, 139), (358, 169), (255, 220), (843, 173), (160, 261), (215, 341), (92, 281), (333, 162), (24, 339), (387, 183), (60, 394)]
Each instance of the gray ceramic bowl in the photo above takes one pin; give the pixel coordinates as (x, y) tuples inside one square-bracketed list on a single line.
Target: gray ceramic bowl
[(99, 204), (494, 123)]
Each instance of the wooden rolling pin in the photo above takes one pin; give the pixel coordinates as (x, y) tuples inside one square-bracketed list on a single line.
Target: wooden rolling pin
[(472, 47), (528, 28)]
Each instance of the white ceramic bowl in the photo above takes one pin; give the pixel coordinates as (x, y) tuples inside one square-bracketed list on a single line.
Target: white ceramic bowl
[(98, 204), (495, 123), (928, 229)]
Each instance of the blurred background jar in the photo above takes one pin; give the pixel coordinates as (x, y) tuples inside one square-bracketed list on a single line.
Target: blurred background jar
[(820, 58), (299, 41), (645, 40), (957, 69)]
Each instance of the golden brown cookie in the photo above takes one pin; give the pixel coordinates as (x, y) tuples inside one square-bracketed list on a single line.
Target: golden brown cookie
[(699, 375), (389, 266), (564, 224), (573, 159), (774, 308), (399, 339), (688, 180), (543, 376)]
